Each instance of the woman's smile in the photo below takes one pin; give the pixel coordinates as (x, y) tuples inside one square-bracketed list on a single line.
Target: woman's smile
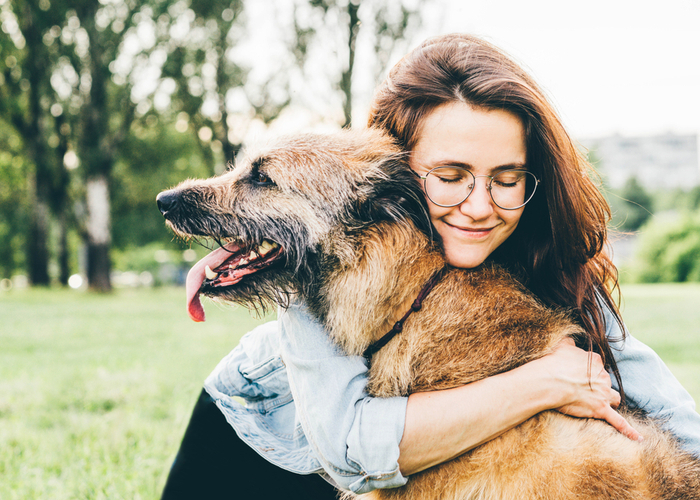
[(470, 232)]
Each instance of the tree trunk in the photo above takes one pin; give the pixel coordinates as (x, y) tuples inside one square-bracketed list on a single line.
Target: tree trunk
[(59, 199), (98, 154), (98, 234), (40, 222), (37, 244), (346, 77), (63, 264)]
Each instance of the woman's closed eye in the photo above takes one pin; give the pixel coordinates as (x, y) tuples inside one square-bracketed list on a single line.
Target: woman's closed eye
[(508, 179), (504, 184), (450, 179), (451, 175)]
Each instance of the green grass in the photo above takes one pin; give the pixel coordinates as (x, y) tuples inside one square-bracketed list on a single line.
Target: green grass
[(667, 318), (96, 390)]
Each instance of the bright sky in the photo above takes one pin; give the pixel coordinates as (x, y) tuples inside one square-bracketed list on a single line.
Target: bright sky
[(610, 66)]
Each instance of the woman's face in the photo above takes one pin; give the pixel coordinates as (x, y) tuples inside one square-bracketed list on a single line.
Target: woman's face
[(484, 142)]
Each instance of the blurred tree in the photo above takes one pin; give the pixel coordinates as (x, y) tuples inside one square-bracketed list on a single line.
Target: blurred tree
[(14, 213), (349, 11), (388, 27), (215, 96), (28, 103), (694, 198), (638, 205), (669, 249), (228, 77), (144, 169), (117, 50), (106, 112), (82, 74)]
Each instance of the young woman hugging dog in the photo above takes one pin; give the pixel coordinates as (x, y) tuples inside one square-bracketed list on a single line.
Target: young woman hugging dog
[(474, 122)]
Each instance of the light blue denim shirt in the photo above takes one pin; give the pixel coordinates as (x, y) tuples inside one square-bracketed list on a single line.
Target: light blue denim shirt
[(296, 399)]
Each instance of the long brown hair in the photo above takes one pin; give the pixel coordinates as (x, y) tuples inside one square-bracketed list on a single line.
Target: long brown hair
[(560, 239)]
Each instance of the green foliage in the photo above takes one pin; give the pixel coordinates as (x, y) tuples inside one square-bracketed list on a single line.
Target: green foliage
[(153, 159), (677, 199), (694, 198), (165, 264), (631, 205), (669, 250), (13, 203), (639, 204), (27, 103)]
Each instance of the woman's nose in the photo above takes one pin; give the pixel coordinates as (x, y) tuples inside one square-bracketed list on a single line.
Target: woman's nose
[(479, 204)]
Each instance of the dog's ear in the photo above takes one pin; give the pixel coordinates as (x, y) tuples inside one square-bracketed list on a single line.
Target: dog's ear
[(396, 197)]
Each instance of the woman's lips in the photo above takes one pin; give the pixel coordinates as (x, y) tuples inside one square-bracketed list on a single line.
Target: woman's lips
[(471, 232)]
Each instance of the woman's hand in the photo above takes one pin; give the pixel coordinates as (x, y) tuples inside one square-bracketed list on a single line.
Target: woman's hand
[(586, 390)]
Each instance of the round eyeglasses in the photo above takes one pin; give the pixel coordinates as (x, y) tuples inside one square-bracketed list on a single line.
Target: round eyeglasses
[(449, 186)]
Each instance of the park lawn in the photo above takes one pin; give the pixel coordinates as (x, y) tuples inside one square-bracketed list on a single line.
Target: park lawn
[(96, 390), (667, 318)]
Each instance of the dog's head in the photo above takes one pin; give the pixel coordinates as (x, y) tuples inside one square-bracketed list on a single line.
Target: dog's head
[(287, 211)]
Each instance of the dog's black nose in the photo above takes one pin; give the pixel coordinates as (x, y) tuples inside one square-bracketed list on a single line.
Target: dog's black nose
[(167, 201)]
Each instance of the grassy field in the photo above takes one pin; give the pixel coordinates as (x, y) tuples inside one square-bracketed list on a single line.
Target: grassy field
[(95, 391), (667, 318)]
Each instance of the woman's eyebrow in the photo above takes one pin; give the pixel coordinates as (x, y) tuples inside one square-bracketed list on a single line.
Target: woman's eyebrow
[(510, 166), (467, 166)]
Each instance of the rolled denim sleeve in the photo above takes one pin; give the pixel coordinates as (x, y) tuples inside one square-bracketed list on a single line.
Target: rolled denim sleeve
[(650, 385), (355, 436)]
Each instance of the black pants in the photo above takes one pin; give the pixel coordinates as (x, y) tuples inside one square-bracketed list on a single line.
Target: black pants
[(214, 463)]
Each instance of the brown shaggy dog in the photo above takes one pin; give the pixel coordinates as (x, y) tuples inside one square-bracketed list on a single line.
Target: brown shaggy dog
[(341, 221)]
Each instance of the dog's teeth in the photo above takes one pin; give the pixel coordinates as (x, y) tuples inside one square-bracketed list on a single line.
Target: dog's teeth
[(265, 247), (209, 273), (241, 262), (253, 255)]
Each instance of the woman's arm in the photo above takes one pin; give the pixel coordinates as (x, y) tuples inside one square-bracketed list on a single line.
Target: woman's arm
[(366, 443), (444, 424)]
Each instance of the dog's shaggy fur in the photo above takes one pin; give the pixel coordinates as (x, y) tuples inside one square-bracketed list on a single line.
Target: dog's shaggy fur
[(354, 242)]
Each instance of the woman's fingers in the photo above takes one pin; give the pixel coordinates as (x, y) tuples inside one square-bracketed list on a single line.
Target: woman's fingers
[(623, 426), (603, 412)]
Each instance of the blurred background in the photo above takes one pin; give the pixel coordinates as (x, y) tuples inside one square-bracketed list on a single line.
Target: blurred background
[(103, 104)]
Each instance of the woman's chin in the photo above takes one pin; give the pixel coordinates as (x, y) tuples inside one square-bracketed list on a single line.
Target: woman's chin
[(466, 260)]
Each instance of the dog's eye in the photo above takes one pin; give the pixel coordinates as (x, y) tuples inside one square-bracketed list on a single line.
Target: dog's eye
[(259, 178), (262, 179)]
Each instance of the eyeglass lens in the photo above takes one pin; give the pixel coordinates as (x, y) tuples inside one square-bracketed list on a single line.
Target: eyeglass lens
[(450, 186)]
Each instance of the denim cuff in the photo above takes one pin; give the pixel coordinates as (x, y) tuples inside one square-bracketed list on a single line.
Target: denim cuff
[(374, 443)]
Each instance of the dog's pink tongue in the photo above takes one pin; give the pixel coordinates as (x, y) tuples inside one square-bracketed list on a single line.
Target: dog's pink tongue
[(197, 275)]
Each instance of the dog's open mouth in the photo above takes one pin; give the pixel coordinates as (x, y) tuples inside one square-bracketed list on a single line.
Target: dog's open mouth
[(225, 267)]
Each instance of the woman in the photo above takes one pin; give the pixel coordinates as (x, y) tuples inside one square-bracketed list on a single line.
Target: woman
[(458, 101)]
